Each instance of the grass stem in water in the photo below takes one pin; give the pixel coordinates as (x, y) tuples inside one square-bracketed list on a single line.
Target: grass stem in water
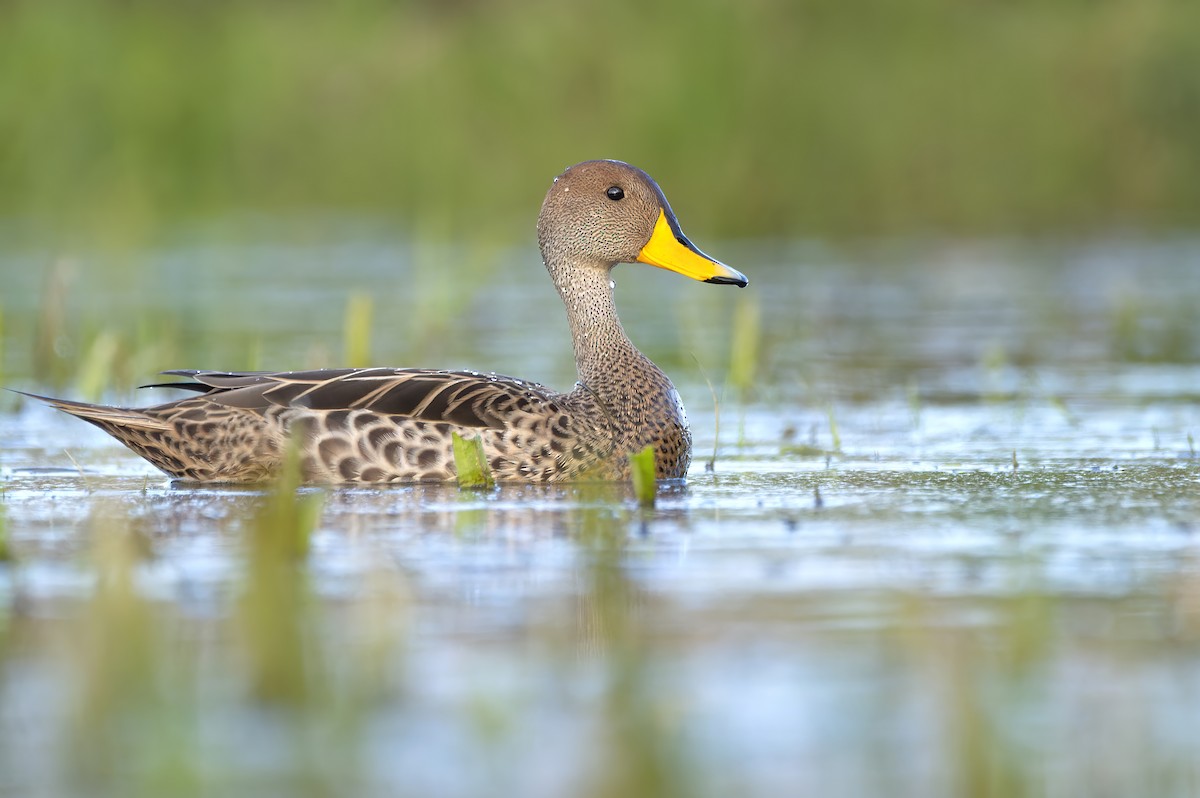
[(471, 463)]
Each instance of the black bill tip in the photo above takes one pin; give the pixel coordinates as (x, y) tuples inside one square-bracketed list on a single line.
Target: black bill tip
[(739, 280)]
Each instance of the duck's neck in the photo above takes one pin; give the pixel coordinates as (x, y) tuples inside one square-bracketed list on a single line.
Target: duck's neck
[(609, 365)]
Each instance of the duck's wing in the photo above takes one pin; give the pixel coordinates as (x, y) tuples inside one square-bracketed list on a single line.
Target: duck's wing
[(461, 398)]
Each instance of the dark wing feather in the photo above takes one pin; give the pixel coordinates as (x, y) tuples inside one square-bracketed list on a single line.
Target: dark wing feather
[(240, 379), (183, 386), (462, 398)]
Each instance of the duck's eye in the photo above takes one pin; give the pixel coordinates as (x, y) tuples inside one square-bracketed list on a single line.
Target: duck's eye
[(615, 193)]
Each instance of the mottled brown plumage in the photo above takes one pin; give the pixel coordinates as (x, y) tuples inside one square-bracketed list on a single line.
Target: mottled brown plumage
[(394, 425)]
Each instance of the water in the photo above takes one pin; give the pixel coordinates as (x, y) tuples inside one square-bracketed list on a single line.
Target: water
[(949, 546)]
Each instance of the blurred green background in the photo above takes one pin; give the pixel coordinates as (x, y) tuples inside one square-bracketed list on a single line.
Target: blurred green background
[(1021, 618), (819, 118)]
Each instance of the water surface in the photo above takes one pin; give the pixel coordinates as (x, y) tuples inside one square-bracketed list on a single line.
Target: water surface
[(949, 542)]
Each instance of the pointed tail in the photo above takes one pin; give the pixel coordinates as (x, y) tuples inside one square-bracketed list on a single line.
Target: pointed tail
[(104, 416)]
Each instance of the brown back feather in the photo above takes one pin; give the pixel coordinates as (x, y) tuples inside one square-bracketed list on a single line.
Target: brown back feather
[(462, 398)]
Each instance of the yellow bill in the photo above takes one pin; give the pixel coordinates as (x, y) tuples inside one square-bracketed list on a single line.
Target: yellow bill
[(668, 248)]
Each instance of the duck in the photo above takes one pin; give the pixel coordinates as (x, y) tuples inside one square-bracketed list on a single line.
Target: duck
[(378, 425)]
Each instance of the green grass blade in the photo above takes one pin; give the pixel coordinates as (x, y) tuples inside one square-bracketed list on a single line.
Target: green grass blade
[(98, 365), (275, 609), (285, 522), (746, 345), (835, 435), (357, 330), (6, 554), (470, 463), (641, 467)]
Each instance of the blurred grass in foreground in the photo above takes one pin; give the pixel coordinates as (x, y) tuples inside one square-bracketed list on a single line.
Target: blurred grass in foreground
[(809, 118), (308, 690)]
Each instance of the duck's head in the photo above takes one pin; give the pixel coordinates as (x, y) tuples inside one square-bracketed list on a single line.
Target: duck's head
[(599, 213)]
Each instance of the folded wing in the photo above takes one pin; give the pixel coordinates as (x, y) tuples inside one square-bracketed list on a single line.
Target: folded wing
[(463, 398)]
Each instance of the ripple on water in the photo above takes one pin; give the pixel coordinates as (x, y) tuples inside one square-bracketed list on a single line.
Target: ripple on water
[(964, 487)]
